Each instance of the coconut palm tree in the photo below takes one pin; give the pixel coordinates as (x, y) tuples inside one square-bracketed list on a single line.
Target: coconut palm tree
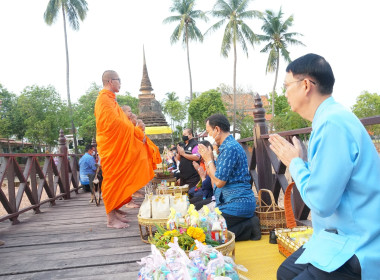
[(233, 13), (186, 28), (278, 38), (74, 10)]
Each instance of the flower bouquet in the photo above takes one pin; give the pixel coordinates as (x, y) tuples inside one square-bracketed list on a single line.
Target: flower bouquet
[(186, 238)]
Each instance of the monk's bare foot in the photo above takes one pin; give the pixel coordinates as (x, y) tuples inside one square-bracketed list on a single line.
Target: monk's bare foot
[(114, 222), (138, 195), (2, 242), (132, 205), (121, 217), (121, 212)]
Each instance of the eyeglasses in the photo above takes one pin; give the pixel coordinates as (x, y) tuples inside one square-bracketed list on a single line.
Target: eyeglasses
[(118, 79), (286, 85)]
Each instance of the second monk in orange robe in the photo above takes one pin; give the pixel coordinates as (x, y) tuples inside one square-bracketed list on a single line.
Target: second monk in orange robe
[(125, 168)]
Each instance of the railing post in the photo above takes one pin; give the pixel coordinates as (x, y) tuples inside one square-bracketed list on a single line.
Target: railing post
[(65, 164), (264, 169)]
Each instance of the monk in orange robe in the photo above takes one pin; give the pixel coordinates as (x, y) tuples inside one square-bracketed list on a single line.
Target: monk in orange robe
[(125, 170)]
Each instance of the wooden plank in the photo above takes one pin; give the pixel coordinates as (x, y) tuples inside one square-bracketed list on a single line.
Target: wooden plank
[(114, 272), (70, 240)]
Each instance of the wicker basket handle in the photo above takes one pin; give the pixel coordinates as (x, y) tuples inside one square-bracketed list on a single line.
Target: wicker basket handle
[(262, 202), (289, 215)]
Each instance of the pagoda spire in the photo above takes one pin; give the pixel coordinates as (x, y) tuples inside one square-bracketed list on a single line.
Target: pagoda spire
[(146, 86)]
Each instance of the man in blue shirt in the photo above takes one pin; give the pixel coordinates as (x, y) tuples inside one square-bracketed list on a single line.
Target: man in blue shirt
[(233, 191), (87, 168), (339, 182)]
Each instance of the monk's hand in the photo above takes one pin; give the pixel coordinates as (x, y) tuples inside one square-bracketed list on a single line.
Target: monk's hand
[(284, 150), (205, 152)]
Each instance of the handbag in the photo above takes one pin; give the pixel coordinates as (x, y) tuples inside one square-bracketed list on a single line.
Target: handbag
[(145, 210), (180, 203), (160, 206)]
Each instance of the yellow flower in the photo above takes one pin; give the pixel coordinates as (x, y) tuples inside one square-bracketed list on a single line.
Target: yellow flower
[(173, 232), (190, 231)]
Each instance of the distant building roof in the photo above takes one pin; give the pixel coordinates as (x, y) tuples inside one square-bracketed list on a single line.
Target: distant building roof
[(245, 103)]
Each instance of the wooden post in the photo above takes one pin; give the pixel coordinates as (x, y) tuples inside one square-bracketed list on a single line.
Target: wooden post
[(65, 164), (263, 165)]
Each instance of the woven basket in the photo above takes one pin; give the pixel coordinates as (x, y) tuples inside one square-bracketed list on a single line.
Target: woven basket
[(271, 216), (286, 246), (149, 225), (227, 249)]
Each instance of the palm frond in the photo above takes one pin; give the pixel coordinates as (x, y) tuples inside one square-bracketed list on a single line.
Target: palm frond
[(275, 30), (222, 9), (51, 12), (240, 5), (250, 14), (215, 26), (248, 33), (272, 60), (175, 35), (267, 47), (227, 40), (196, 34), (172, 19), (72, 17), (285, 54)]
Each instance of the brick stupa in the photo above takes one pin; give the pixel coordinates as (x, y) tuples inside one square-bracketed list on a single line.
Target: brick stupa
[(150, 112)]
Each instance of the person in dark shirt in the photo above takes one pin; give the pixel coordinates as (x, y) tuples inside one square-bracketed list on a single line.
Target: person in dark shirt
[(203, 193), (188, 154)]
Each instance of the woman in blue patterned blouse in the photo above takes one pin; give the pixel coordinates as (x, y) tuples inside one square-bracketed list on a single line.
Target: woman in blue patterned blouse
[(232, 188)]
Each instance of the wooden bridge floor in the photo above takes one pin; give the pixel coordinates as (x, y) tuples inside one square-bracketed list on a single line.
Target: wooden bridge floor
[(70, 241)]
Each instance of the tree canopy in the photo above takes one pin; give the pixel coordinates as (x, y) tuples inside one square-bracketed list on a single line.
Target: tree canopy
[(208, 103), (233, 14), (368, 105), (43, 114)]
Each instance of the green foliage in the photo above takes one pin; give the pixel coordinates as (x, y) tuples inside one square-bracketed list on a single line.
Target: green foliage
[(7, 118), (285, 119), (84, 113), (368, 105), (246, 127), (74, 10), (278, 38), (42, 113), (208, 103), (174, 108), (282, 105), (129, 100), (186, 18), (232, 14)]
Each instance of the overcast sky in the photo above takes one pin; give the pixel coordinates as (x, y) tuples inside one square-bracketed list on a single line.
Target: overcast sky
[(112, 36)]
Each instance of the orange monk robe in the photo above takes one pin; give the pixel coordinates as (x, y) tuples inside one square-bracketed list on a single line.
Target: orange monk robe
[(153, 153), (125, 168)]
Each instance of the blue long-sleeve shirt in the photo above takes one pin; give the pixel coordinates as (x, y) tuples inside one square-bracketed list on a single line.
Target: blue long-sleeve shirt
[(86, 166), (236, 196), (340, 183)]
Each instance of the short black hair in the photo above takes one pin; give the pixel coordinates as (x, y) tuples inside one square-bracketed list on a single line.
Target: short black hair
[(190, 131), (206, 143), (219, 120), (89, 147), (317, 68)]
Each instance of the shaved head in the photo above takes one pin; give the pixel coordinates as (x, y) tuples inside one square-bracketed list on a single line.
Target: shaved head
[(111, 81), (127, 110)]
